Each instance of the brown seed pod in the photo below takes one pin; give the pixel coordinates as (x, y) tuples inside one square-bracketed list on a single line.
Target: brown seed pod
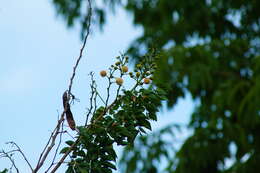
[(70, 119), (67, 111), (65, 99)]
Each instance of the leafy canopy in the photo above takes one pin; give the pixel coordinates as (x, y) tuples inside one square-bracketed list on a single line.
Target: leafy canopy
[(210, 49)]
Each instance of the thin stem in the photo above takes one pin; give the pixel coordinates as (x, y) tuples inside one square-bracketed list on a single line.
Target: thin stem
[(108, 89), (11, 160), (82, 48), (95, 101), (57, 149), (101, 98), (65, 155), (23, 155), (50, 144), (7, 152), (92, 86)]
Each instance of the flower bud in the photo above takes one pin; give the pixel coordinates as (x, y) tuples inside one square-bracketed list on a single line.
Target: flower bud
[(103, 73), (146, 80), (139, 65), (119, 81), (125, 69)]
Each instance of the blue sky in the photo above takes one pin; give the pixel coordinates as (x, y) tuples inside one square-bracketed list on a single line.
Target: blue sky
[(37, 55)]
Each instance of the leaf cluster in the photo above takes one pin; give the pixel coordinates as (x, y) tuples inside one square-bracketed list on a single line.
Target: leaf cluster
[(116, 124), (209, 49)]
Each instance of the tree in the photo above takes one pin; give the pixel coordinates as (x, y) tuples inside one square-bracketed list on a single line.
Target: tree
[(210, 49), (115, 118)]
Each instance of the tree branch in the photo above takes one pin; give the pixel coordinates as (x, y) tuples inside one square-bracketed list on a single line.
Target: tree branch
[(73, 76), (83, 46), (5, 154), (21, 152), (49, 147)]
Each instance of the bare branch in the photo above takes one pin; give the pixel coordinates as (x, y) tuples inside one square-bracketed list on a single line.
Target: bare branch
[(50, 144), (21, 152), (39, 160), (56, 151), (83, 46), (6, 154), (93, 89)]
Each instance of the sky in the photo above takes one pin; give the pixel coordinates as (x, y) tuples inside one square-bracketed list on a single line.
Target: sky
[(38, 52)]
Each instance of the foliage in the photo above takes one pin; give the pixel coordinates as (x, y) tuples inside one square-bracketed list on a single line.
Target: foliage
[(74, 12), (118, 123), (210, 49), (116, 119), (156, 147)]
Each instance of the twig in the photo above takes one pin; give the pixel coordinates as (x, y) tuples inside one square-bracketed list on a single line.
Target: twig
[(65, 155), (57, 149), (39, 160), (7, 152), (100, 97), (82, 48), (50, 144), (108, 89), (11, 160), (21, 152), (70, 135), (93, 89), (95, 101)]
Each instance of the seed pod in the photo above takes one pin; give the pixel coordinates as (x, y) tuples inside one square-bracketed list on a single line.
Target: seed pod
[(65, 99), (70, 119), (67, 111)]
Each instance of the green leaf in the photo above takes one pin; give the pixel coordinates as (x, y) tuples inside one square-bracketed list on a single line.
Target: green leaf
[(152, 116), (83, 170), (142, 130), (161, 92), (69, 170), (111, 153), (145, 124), (81, 153), (70, 143), (64, 150), (4, 171), (125, 132), (110, 165)]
